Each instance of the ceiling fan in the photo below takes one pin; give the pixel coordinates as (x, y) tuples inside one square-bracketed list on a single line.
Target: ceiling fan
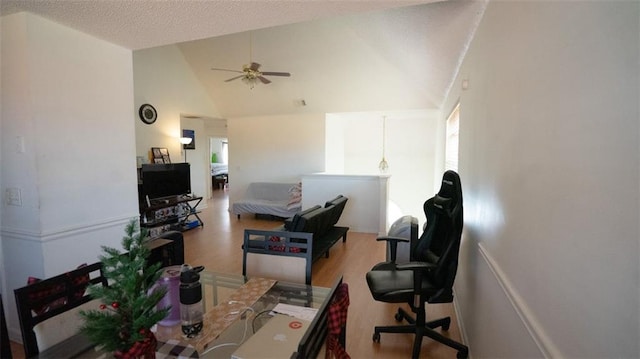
[(251, 73)]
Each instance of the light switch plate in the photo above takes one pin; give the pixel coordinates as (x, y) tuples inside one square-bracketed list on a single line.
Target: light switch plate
[(13, 197)]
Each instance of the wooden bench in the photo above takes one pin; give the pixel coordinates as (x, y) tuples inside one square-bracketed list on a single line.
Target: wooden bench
[(321, 222)]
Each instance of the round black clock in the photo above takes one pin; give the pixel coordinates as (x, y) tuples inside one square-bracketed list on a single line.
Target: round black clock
[(148, 114)]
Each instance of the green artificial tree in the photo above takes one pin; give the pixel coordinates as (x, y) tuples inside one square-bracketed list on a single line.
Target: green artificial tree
[(128, 308)]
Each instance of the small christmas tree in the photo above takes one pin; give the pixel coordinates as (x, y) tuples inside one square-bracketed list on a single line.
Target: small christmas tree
[(128, 308)]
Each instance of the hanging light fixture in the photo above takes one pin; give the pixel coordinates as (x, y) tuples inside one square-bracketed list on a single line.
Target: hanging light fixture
[(383, 166), (250, 80), (250, 74)]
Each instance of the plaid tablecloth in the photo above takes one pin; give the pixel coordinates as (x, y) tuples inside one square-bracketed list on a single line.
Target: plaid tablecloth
[(175, 349), (171, 349)]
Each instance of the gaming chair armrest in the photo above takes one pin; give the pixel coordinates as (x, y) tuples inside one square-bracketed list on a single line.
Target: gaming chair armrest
[(416, 266), (393, 244), (418, 269)]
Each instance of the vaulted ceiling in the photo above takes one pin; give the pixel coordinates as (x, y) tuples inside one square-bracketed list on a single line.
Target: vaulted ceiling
[(343, 56)]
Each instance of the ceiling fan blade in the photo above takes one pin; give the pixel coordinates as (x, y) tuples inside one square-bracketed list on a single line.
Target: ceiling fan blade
[(286, 74), (216, 69), (254, 66), (264, 80), (234, 78)]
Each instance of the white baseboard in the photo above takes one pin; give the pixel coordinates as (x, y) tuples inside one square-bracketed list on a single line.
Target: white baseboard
[(461, 327)]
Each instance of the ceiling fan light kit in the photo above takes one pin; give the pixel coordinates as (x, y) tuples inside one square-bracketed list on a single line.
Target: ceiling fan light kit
[(251, 73)]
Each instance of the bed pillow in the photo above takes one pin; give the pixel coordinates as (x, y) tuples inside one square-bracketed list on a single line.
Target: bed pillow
[(295, 196)]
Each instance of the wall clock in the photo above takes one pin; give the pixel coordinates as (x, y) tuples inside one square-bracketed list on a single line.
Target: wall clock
[(148, 114)]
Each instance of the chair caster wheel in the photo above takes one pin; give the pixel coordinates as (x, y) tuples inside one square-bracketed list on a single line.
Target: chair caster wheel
[(376, 337), (463, 354), (398, 317)]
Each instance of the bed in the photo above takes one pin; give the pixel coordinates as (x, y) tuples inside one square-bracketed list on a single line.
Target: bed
[(219, 175), (219, 169)]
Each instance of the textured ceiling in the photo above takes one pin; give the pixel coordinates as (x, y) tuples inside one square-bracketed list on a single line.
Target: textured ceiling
[(139, 24), (344, 56)]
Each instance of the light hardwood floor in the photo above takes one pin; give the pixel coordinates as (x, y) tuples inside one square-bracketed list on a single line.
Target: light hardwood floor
[(217, 246)]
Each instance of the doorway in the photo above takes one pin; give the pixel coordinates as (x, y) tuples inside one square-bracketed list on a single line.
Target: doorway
[(219, 154)]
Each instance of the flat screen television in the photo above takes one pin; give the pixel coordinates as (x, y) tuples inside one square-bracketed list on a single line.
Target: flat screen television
[(165, 180)]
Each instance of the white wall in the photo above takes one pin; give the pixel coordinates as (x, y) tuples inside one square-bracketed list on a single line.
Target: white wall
[(215, 146), (410, 149), (216, 127), (76, 170), (283, 148), (163, 79), (273, 149), (366, 208), (549, 143)]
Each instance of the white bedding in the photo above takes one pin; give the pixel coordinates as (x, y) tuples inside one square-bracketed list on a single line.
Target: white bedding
[(268, 198), (219, 169)]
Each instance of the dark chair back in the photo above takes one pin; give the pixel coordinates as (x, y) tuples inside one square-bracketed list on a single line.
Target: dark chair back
[(51, 297), (339, 202), (5, 347), (440, 242), (277, 255), (312, 341)]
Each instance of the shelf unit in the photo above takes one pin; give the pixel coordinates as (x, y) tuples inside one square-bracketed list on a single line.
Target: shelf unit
[(178, 213)]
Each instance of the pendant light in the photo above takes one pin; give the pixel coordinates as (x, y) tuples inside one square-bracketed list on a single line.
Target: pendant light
[(383, 166)]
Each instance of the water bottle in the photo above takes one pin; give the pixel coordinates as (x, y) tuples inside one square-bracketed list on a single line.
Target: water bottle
[(191, 306), (170, 279)]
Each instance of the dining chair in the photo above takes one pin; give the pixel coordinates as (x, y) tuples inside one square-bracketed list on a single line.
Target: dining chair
[(48, 310), (277, 255)]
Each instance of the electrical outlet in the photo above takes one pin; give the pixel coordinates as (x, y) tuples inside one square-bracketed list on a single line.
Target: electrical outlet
[(20, 147), (13, 197)]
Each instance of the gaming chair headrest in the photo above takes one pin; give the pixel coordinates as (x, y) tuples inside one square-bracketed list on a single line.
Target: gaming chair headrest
[(450, 186), (449, 197)]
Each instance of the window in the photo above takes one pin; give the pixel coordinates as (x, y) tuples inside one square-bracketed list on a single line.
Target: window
[(451, 142)]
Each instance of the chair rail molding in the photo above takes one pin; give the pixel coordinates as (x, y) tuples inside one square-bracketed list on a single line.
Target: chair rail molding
[(544, 343), (64, 232)]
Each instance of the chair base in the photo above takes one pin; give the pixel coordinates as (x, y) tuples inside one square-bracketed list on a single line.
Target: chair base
[(426, 330)]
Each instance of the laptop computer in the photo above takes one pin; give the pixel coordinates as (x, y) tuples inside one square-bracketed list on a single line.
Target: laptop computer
[(278, 338)]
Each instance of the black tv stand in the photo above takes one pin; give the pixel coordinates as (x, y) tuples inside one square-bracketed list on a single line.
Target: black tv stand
[(174, 213)]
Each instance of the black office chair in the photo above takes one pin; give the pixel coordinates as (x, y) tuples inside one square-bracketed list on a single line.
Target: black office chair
[(429, 276)]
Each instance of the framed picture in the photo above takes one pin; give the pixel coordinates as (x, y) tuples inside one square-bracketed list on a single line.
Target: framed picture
[(191, 134), (160, 155)]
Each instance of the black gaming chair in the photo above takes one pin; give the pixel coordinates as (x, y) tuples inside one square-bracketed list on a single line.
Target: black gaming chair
[(430, 274)]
